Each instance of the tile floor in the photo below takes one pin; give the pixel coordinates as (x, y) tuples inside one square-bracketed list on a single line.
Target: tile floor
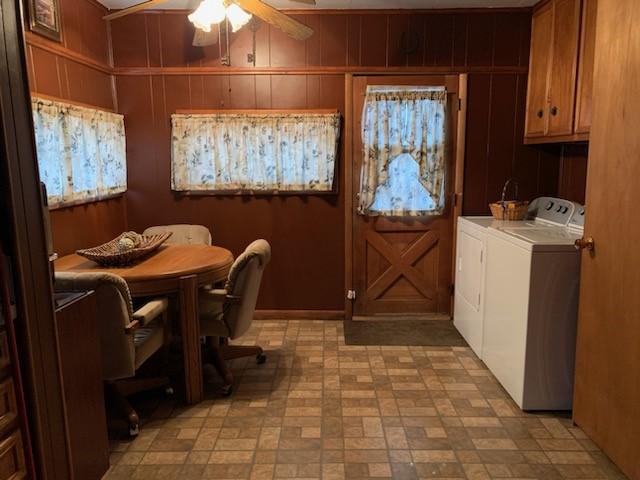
[(319, 409)]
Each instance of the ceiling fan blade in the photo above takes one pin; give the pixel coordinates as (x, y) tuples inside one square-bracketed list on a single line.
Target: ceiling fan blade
[(288, 25), (205, 39), (308, 2), (133, 9)]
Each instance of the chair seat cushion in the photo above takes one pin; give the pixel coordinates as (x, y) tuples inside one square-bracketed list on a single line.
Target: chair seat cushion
[(147, 341)]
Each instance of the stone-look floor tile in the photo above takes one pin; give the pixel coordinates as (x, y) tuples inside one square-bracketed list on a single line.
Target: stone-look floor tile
[(320, 409)]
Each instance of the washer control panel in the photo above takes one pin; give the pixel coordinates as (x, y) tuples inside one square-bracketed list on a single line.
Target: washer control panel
[(552, 210), (577, 219)]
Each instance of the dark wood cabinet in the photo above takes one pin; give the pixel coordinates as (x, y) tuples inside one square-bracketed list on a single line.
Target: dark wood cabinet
[(561, 64), (81, 368)]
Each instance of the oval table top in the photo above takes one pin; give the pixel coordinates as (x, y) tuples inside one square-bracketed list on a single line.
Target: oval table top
[(161, 271)]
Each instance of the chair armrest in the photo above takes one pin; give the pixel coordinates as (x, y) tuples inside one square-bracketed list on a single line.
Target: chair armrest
[(150, 311), (220, 295), (132, 327)]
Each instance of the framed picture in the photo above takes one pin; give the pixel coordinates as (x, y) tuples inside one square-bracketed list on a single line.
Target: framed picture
[(44, 18)]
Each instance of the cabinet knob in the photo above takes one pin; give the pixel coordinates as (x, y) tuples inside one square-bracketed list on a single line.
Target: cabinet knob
[(540, 113), (554, 111)]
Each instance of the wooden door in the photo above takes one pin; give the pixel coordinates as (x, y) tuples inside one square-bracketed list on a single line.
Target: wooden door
[(564, 64), (403, 266), (539, 60), (585, 67), (607, 387)]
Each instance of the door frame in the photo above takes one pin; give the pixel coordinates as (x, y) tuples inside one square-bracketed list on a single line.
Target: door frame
[(349, 155), (24, 241)]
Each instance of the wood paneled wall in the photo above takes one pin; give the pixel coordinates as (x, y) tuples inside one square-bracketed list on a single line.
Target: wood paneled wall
[(366, 39), (69, 71), (306, 232), (158, 72)]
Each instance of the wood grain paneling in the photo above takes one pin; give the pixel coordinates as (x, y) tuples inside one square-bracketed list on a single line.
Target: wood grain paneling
[(573, 172), (370, 39), (52, 72), (306, 233), (494, 149)]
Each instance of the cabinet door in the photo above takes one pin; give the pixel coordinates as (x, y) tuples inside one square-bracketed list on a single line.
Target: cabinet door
[(541, 35), (564, 63), (585, 67)]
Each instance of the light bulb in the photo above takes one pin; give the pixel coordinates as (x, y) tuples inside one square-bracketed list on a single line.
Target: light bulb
[(207, 13), (237, 17)]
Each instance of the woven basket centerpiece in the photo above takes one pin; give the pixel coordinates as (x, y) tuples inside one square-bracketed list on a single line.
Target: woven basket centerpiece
[(124, 249), (509, 209)]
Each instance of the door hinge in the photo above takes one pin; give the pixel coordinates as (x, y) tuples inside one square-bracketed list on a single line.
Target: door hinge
[(459, 104), (351, 294), (452, 289)]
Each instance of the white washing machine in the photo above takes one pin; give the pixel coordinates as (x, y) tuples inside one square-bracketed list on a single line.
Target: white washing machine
[(531, 303)]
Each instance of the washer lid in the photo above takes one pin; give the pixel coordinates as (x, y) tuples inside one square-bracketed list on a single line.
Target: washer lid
[(549, 239)]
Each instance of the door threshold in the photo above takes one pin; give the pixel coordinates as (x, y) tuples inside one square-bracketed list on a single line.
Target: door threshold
[(398, 317)]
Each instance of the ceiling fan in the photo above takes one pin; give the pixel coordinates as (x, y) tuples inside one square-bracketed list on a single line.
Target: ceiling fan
[(238, 12)]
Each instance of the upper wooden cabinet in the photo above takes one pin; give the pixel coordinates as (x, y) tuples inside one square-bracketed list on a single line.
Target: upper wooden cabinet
[(560, 72)]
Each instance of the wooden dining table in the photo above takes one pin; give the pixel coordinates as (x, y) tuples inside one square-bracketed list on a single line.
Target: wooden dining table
[(177, 270)]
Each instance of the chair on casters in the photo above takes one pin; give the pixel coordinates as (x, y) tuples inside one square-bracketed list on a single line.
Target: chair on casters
[(183, 234), (227, 313), (127, 338)]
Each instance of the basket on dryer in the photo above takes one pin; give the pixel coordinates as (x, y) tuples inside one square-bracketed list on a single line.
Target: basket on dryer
[(509, 209)]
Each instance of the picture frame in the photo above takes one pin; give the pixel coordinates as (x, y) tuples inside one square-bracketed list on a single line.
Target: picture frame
[(44, 18)]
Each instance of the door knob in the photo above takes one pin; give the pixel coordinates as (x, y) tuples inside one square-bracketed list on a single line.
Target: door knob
[(585, 243)]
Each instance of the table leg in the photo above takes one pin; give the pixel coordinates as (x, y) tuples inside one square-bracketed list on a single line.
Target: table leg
[(190, 331)]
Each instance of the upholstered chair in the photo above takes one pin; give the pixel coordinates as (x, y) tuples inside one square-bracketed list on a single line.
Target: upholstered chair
[(183, 234), (127, 338), (227, 313)]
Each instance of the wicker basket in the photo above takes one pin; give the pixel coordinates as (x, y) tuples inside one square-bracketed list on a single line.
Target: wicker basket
[(124, 249), (509, 209)]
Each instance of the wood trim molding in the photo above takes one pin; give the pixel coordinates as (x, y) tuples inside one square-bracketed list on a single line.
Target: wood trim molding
[(127, 71), (366, 11), (34, 40), (299, 315), (257, 111), (70, 102), (348, 194), (573, 138)]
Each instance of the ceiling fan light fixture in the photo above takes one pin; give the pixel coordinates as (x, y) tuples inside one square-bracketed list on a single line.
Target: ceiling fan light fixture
[(237, 17), (208, 13)]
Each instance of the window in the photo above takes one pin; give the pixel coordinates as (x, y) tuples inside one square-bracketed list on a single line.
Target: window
[(81, 151), (254, 152), (403, 164)]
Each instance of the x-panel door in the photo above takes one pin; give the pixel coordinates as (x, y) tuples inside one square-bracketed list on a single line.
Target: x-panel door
[(403, 265)]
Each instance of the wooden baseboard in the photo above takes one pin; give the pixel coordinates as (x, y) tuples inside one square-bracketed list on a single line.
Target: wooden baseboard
[(299, 315)]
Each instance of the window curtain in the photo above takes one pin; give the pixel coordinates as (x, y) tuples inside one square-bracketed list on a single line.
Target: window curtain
[(254, 152), (401, 121), (81, 151)]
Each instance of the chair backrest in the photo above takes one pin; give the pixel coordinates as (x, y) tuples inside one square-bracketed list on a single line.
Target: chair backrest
[(113, 314), (244, 281), (183, 234)]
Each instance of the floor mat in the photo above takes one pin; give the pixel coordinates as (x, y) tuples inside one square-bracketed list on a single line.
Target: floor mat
[(405, 332)]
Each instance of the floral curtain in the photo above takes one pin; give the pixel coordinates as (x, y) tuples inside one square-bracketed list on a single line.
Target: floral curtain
[(403, 121), (254, 151), (81, 151)]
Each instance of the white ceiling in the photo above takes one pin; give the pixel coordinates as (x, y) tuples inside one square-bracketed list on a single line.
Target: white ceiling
[(345, 4)]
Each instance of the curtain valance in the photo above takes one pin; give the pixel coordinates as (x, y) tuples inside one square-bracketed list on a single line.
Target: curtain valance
[(81, 151), (403, 121), (247, 152)]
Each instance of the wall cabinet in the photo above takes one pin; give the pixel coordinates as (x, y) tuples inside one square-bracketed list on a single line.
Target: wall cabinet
[(560, 72)]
